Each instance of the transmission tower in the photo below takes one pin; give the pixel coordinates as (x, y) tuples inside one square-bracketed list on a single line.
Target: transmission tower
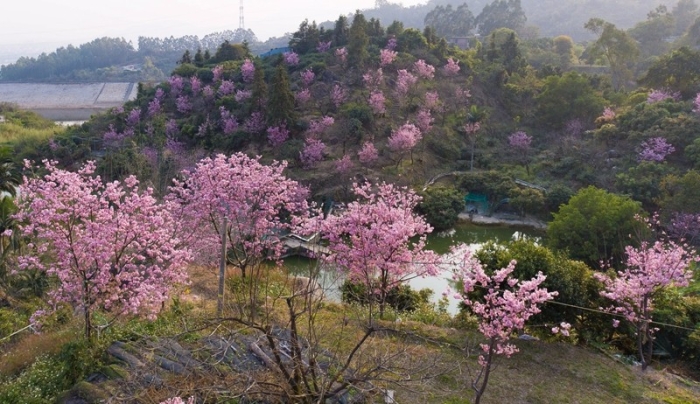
[(241, 24)]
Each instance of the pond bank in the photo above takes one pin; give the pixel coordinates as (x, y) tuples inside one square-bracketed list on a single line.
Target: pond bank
[(505, 220)]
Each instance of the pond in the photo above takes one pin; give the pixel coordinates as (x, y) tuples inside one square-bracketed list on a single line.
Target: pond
[(470, 234)]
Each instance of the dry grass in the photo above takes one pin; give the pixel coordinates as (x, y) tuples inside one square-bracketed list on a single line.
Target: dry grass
[(19, 355)]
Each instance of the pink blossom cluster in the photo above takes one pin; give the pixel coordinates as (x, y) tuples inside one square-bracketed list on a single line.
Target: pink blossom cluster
[(218, 72), (423, 69), (462, 94), (506, 305), (179, 400), (451, 68), (302, 96), (655, 149), (195, 84), (404, 138), (404, 81), (338, 95), (649, 268), (424, 120), (228, 122), (160, 94), (608, 115), (391, 44), (373, 79), (291, 58), (317, 126), (368, 153), (344, 164), (387, 56), (277, 135), (255, 122), (226, 88), (183, 104), (520, 140), (312, 154), (379, 240), (307, 77), (176, 85), (242, 95), (112, 136), (208, 93), (431, 99), (248, 71), (696, 104), (171, 128), (109, 246), (341, 54), (661, 95), (154, 107), (323, 47), (133, 118), (377, 102), (252, 197)]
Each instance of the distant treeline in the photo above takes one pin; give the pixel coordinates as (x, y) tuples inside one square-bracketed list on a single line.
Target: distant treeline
[(115, 59)]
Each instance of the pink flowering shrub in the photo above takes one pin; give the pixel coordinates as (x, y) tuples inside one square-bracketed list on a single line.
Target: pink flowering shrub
[(248, 71), (317, 126), (404, 81), (661, 95), (655, 149), (255, 122), (302, 96), (171, 128), (451, 68), (344, 165), (208, 93), (110, 247), (183, 104), (176, 85), (377, 102), (195, 84), (218, 72), (277, 135), (291, 58), (154, 107), (228, 122), (373, 79), (225, 88), (386, 57), (338, 95), (307, 77), (134, 117), (391, 44), (520, 140), (368, 153), (242, 95), (323, 47), (431, 99), (179, 400), (424, 69), (405, 138), (424, 120), (312, 154)]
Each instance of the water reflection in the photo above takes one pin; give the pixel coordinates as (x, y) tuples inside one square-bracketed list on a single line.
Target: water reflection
[(474, 236)]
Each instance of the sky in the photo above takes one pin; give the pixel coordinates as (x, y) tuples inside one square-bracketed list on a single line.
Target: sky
[(36, 22)]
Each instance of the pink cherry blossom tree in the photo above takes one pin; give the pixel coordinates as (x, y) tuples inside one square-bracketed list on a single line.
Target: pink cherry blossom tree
[(424, 120), (344, 165), (277, 135), (423, 69), (404, 139), (451, 68), (661, 95), (302, 96), (307, 77), (312, 154), (520, 143), (377, 102), (655, 149), (226, 88), (291, 58), (404, 81), (648, 270), (368, 153), (506, 305), (379, 240), (218, 72), (195, 85), (323, 47), (341, 54), (387, 56), (248, 71), (338, 95), (251, 198), (111, 247)]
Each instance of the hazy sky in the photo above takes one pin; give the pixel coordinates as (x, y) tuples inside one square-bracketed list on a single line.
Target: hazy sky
[(29, 22)]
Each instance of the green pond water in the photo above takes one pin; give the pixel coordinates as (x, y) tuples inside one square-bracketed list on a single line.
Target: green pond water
[(472, 235)]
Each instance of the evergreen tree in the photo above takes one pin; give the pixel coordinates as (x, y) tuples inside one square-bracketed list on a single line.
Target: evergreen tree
[(280, 104), (358, 41), (341, 31), (199, 58), (259, 88)]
